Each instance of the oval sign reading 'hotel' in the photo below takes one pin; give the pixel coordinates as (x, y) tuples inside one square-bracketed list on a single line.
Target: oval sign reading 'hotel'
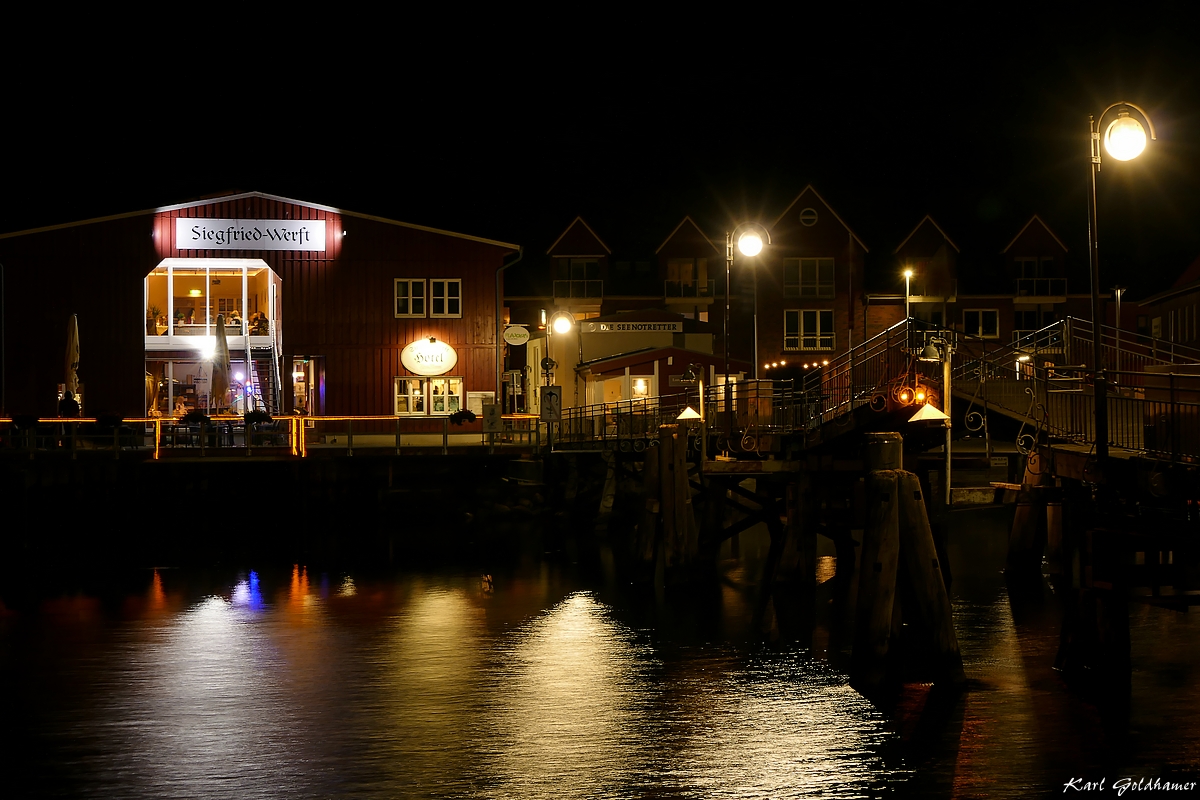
[(425, 357)]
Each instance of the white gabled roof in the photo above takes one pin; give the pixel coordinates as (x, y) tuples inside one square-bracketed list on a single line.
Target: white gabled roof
[(243, 195)]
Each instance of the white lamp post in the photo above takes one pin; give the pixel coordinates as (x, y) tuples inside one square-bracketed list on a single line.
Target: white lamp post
[(941, 349), (907, 294), (1124, 139), (749, 236)]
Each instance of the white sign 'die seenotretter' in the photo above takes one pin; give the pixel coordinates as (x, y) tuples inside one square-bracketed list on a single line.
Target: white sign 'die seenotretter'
[(193, 233), (428, 357)]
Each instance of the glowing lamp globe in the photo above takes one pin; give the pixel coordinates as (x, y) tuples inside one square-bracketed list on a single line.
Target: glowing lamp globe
[(562, 324), (750, 244), (1125, 138)]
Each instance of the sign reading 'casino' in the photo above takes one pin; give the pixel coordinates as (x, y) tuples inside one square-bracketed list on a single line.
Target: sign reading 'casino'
[(192, 233)]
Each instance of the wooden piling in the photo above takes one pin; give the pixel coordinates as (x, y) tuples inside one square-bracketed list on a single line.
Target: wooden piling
[(648, 528), (666, 462), (1027, 540), (877, 580), (931, 602)]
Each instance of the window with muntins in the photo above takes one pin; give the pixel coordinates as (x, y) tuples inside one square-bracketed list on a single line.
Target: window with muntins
[(445, 295), (410, 297), (808, 277), (982, 322), (808, 330)]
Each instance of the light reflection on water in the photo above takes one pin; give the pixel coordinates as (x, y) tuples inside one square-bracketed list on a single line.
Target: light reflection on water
[(429, 688), (316, 685)]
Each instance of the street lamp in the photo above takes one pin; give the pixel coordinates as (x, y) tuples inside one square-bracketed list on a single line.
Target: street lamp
[(1124, 139), (696, 372), (561, 322), (907, 282), (941, 349), (749, 237)]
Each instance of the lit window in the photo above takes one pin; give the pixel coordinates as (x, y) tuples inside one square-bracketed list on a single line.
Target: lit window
[(808, 277), (808, 330), (410, 297), (428, 396), (445, 297)]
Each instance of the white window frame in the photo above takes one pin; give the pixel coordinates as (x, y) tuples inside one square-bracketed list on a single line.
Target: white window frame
[(424, 402), (979, 326), (408, 284), (803, 329), (797, 284), (444, 284)]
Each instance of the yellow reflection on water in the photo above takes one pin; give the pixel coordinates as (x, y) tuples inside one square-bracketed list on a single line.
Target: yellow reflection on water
[(568, 705)]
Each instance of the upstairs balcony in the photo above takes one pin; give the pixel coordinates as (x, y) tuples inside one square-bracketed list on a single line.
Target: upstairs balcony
[(1044, 289), (688, 289), (579, 289)]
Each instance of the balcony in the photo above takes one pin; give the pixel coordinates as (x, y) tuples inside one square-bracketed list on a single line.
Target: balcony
[(688, 289), (1043, 288), (586, 289)]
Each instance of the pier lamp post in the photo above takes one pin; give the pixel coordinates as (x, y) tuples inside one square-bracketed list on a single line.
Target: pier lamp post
[(561, 322), (696, 372), (750, 237), (941, 349), (907, 293), (1124, 139)]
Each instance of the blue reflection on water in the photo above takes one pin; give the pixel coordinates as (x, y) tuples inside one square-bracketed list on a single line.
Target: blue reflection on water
[(248, 593)]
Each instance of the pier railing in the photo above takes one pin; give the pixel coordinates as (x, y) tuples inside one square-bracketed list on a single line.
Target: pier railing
[(231, 436)]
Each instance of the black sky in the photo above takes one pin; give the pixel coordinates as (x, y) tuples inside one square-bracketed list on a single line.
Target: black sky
[(499, 129)]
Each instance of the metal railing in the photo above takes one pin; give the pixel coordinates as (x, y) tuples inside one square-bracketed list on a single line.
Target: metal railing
[(579, 288), (1041, 287), (225, 436), (688, 289)]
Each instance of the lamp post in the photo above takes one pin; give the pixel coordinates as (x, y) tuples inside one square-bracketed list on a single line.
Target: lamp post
[(696, 371), (1124, 139), (907, 294), (942, 349), (749, 237)]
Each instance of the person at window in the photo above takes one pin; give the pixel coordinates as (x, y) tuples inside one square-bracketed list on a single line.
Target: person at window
[(180, 407), (235, 318), (68, 406)]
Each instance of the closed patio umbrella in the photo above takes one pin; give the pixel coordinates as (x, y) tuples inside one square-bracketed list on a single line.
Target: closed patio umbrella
[(221, 368), (71, 378)]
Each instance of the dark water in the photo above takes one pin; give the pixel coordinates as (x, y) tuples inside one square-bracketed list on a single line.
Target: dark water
[(555, 682)]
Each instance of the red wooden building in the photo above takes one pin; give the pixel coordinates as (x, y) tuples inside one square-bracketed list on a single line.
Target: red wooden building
[(326, 311)]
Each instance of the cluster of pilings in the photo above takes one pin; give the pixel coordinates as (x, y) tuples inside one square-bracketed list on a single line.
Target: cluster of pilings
[(901, 592)]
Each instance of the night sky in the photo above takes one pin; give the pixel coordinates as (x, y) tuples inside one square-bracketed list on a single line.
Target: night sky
[(976, 117)]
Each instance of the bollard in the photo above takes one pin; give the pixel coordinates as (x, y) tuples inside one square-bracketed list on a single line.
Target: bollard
[(924, 575), (876, 581)]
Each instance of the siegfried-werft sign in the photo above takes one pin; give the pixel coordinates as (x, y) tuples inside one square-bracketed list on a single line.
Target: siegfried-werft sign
[(192, 233), (428, 357)]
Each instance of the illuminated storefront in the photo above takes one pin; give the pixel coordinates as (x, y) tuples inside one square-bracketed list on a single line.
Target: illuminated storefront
[(317, 305)]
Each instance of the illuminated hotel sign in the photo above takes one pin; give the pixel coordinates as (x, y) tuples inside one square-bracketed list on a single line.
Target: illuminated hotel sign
[(633, 327), (428, 357), (193, 233)]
